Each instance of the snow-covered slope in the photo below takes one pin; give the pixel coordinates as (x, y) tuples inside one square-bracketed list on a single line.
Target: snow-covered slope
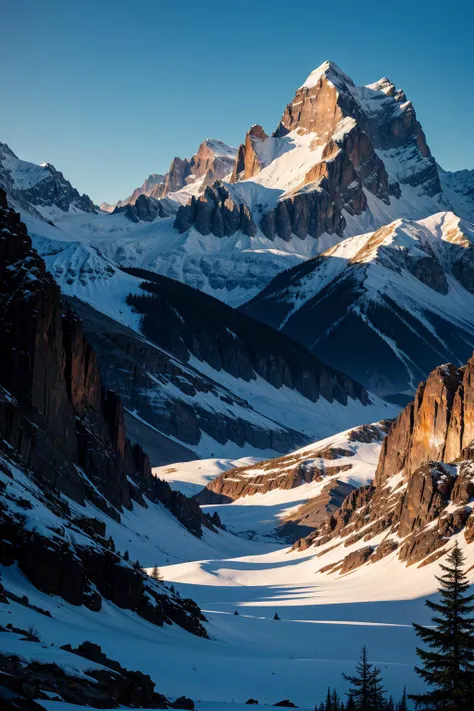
[(386, 306), (291, 495)]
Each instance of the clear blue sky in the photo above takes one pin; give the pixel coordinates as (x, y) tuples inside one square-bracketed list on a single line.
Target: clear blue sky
[(109, 91)]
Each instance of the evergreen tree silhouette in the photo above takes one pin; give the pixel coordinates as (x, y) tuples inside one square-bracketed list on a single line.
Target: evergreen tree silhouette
[(447, 666)]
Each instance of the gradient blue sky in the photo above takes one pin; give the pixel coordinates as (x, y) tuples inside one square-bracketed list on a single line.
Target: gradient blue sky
[(109, 91)]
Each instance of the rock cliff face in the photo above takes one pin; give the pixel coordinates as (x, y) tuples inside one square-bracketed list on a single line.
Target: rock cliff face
[(423, 489), (363, 140), (215, 212), (247, 161), (143, 209), (60, 428)]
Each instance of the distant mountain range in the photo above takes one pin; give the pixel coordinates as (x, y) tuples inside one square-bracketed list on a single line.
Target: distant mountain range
[(347, 174)]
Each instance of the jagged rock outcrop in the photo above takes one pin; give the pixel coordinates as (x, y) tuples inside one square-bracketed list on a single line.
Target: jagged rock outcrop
[(423, 489), (105, 684), (143, 209), (212, 161), (438, 425), (215, 212), (247, 160)]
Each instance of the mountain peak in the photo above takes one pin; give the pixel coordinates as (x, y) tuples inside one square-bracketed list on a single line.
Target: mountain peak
[(5, 148), (219, 148), (331, 71)]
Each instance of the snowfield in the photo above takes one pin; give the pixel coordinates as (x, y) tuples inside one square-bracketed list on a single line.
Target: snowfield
[(324, 618)]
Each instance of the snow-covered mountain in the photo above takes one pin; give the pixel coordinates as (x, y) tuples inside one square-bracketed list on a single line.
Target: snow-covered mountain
[(385, 307), (31, 187), (344, 160), (212, 161)]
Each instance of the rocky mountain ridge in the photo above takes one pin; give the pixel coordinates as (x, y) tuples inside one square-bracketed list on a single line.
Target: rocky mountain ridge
[(212, 161), (31, 187), (317, 479), (386, 306)]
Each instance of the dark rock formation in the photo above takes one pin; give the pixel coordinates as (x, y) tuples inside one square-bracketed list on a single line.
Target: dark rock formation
[(111, 686), (215, 210), (144, 209), (63, 429)]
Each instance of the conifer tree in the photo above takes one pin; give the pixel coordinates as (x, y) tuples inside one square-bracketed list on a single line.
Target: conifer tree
[(336, 705), (403, 703), (155, 574), (366, 685), (350, 706), (328, 704), (447, 666)]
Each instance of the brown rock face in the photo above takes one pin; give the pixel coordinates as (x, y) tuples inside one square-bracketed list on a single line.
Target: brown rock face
[(247, 162), (315, 109), (215, 212), (424, 487), (62, 417), (436, 426), (54, 410)]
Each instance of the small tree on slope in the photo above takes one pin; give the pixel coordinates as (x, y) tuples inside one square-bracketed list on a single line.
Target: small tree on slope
[(156, 575), (448, 665), (366, 685)]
